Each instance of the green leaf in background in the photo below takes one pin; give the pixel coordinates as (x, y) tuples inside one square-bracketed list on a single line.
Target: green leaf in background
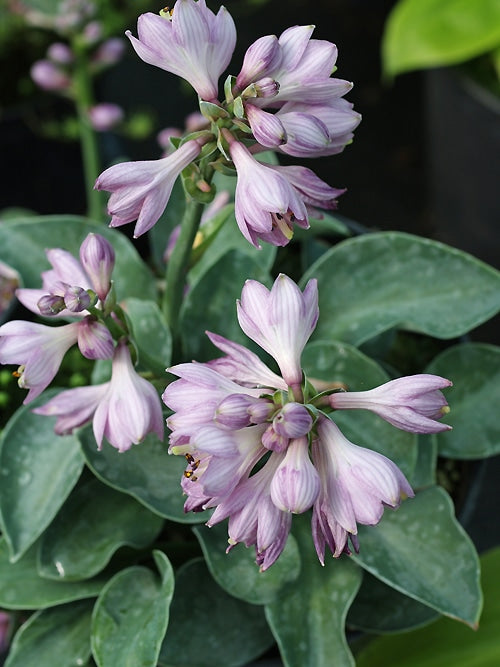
[(61, 633), (151, 335), (34, 235), (446, 642), (147, 472), (337, 362), (38, 470), (374, 282), (474, 369), (21, 587), (131, 615), (308, 619), (230, 238), (422, 551), (237, 573), (91, 526), (435, 33), (382, 609), (159, 234), (208, 627), (211, 304), (424, 473)]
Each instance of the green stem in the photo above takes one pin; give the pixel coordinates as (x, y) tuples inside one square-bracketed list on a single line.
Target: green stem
[(177, 266), (84, 99)]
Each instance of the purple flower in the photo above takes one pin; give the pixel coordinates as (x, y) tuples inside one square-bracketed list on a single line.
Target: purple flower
[(254, 519), (105, 116), (130, 408), (49, 76), (295, 484), (411, 403), (92, 272), (190, 41), (141, 190), (124, 410), (266, 204), (97, 257), (355, 486), (39, 351), (110, 51), (302, 66), (312, 190), (73, 407), (60, 53), (280, 320), (257, 446)]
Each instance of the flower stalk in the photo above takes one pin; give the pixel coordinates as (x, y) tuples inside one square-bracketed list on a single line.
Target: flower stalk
[(84, 100), (177, 267)]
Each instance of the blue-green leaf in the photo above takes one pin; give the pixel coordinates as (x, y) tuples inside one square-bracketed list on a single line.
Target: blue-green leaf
[(375, 282), (60, 635), (422, 551), (146, 472), (447, 642), (131, 616), (38, 470), (208, 627), (21, 587), (308, 619), (474, 369), (94, 522), (151, 335), (237, 573)]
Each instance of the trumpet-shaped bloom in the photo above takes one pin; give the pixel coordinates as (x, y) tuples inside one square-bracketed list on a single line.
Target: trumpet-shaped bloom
[(411, 403), (280, 320), (39, 351), (303, 68), (130, 409), (124, 410), (141, 190), (266, 204), (73, 407), (190, 41), (356, 485)]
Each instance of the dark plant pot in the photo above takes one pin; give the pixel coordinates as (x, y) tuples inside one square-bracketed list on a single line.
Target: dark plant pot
[(463, 145)]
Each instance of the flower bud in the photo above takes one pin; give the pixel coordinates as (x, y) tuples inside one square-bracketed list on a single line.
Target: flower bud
[(110, 51), (92, 32), (48, 76), (293, 421), (266, 87), (60, 53), (273, 440), (76, 299), (232, 412), (105, 116), (295, 485), (98, 259), (51, 304), (94, 339)]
